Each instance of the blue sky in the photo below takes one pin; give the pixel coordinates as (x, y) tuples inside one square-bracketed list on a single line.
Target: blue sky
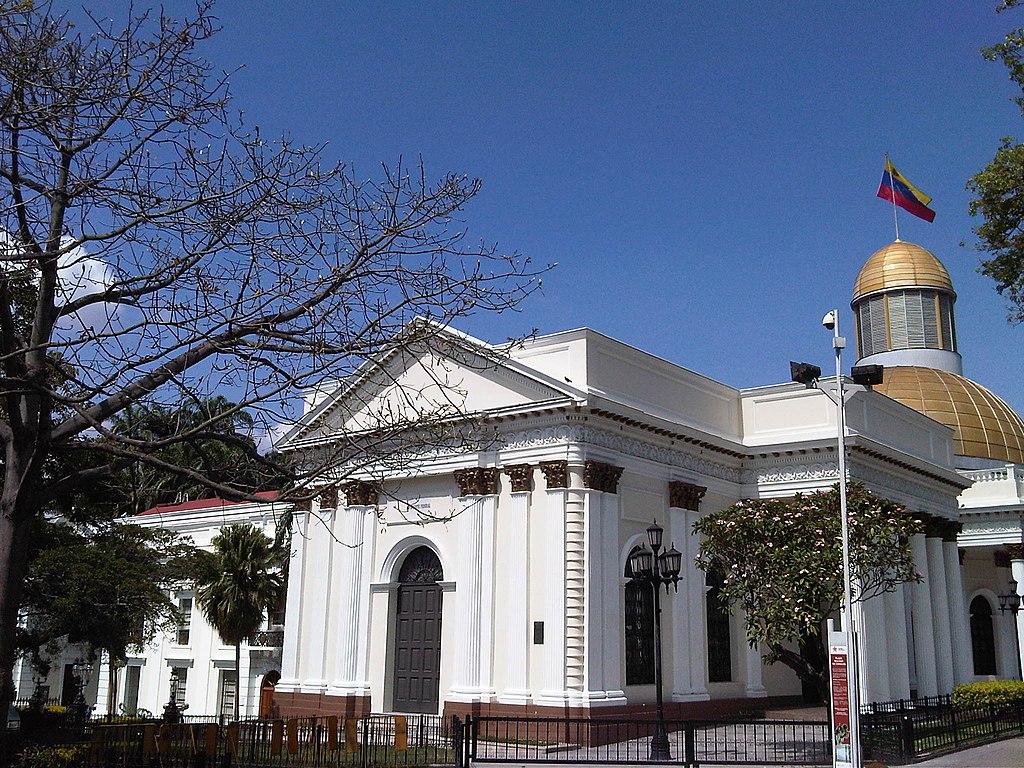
[(704, 174)]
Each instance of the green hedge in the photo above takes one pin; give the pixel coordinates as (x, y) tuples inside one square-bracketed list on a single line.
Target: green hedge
[(983, 694)]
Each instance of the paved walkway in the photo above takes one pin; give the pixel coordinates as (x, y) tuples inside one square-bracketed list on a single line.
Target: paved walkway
[(1001, 754)]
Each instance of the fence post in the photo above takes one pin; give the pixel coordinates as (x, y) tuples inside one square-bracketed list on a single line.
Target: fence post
[(690, 744), (907, 750)]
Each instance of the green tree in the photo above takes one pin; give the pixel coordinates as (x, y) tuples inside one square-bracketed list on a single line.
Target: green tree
[(781, 563), (155, 249), (103, 585), (245, 582), (998, 190)]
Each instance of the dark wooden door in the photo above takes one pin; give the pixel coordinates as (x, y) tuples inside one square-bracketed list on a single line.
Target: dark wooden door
[(417, 660)]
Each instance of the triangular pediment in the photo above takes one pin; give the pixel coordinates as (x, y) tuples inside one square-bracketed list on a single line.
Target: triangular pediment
[(429, 382)]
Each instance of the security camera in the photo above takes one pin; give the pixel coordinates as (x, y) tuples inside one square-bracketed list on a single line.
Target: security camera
[(829, 320)]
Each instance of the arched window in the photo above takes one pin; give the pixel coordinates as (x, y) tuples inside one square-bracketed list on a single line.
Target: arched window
[(719, 634), (983, 642), (639, 625)]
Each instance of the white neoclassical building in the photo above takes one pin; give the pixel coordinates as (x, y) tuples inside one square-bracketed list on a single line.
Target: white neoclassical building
[(191, 656), (493, 579)]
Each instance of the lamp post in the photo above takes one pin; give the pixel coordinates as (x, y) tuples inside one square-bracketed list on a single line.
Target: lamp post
[(80, 670), (655, 568), (863, 377), (1010, 601)]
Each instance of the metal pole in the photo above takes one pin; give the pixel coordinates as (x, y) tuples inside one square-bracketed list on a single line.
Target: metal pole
[(849, 626), (659, 742)]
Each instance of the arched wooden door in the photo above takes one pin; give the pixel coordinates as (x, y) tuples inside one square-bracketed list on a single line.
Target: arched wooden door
[(417, 659)]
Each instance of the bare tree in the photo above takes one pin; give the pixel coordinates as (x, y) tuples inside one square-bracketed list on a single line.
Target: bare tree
[(155, 251)]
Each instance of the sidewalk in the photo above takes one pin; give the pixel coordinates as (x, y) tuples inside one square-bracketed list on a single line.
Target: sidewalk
[(1001, 754)]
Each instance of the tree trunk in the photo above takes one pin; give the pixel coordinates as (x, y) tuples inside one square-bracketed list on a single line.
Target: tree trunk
[(15, 532)]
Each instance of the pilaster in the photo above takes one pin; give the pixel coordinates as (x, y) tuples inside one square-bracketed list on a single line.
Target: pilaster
[(552, 525), (291, 653), (312, 665), (963, 667), (896, 622)]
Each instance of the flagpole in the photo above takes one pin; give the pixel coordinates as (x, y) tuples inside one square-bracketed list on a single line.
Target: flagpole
[(892, 196)]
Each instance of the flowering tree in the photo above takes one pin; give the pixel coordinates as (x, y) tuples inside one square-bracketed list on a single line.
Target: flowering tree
[(781, 561)]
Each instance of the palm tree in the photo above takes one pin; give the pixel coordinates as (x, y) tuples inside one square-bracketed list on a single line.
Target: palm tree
[(245, 582)]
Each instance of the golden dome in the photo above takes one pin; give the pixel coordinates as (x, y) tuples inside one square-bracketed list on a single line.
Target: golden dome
[(901, 265), (985, 426)]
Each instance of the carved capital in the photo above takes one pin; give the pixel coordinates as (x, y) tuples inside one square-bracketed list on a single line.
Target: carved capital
[(477, 481), (329, 497), (556, 473), (361, 494), (303, 505), (961, 555), (520, 477), (1015, 551), (685, 495), (601, 477), (1001, 558)]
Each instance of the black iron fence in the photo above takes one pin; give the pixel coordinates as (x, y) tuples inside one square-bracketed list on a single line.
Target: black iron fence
[(906, 731), (376, 740), (691, 742)]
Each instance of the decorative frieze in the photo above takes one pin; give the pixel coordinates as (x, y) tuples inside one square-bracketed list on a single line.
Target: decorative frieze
[(361, 494), (477, 481), (520, 477), (685, 495), (601, 477), (556, 474), (329, 497)]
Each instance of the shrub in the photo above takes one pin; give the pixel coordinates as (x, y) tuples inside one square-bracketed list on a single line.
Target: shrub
[(72, 756), (987, 693)]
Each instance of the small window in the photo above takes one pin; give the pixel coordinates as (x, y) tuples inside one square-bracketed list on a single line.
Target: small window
[(179, 684), (983, 642), (183, 632), (228, 692)]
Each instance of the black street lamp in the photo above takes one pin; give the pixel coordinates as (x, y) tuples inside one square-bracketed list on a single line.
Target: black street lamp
[(1010, 601), (650, 567)]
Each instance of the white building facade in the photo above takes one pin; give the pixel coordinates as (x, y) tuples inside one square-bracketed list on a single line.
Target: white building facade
[(490, 576)]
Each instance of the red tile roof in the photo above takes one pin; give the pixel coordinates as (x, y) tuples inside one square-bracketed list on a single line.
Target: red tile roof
[(206, 504)]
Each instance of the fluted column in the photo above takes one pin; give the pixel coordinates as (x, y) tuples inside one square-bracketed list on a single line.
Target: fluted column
[(350, 570), (960, 630), (291, 653), (940, 614), (602, 643), (874, 651), (515, 585), (688, 632), (552, 524), (312, 664), (924, 637), (472, 678), (896, 623)]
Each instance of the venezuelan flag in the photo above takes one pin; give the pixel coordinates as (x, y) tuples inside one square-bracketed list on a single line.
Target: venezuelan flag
[(896, 189)]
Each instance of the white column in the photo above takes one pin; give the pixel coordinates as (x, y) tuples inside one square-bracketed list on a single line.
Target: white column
[(896, 643), (963, 667), (874, 651), (515, 588), (940, 612), (472, 679), (291, 653), (691, 593), (552, 524), (103, 691), (346, 621), (683, 615), (1017, 572), (924, 637), (603, 610), (317, 601)]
